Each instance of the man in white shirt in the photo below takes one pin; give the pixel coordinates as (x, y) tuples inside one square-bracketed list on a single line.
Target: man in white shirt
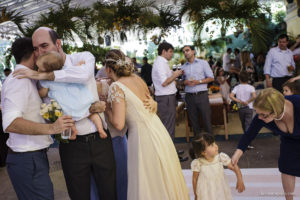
[(279, 64), (29, 136), (165, 88), (227, 61), (88, 153)]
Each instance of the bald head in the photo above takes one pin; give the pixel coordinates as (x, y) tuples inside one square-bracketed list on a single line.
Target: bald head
[(45, 39)]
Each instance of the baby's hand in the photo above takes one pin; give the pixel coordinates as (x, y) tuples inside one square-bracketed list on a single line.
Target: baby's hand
[(240, 186), (82, 62)]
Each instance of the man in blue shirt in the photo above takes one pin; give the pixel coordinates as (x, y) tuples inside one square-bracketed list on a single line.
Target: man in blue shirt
[(279, 64), (197, 75)]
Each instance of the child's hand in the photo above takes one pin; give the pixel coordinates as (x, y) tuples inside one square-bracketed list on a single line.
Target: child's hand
[(82, 62), (240, 186)]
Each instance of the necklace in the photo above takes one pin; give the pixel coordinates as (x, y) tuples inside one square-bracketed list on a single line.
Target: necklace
[(277, 119)]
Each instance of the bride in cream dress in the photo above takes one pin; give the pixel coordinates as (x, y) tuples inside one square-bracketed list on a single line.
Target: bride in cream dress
[(154, 171)]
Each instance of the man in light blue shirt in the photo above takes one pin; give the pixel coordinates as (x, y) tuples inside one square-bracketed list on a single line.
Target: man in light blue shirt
[(197, 75), (279, 64)]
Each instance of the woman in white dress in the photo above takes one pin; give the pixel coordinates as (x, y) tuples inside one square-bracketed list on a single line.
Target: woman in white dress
[(154, 171)]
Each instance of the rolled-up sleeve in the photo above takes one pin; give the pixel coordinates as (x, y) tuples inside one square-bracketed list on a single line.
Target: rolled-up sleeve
[(13, 103), (77, 73)]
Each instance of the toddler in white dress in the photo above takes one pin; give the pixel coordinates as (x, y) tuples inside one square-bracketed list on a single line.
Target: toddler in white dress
[(209, 182), (75, 99)]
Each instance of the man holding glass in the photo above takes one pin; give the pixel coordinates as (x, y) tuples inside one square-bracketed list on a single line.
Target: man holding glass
[(279, 64), (88, 153), (29, 136), (197, 75)]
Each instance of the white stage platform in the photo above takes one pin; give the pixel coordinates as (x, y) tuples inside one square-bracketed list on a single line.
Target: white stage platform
[(261, 184)]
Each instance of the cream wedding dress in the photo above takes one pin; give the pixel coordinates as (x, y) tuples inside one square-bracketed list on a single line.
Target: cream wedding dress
[(154, 171)]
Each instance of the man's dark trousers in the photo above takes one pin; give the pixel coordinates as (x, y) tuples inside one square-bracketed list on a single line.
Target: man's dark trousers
[(83, 156)]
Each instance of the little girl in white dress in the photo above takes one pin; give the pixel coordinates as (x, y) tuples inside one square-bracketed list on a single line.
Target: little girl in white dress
[(209, 182)]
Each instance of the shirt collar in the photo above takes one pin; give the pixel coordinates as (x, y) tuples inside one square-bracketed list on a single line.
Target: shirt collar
[(163, 59), (283, 51), (19, 66), (196, 60)]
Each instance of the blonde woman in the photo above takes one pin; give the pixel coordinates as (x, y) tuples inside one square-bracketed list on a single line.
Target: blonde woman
[(154, 171), (247, 65), (282, 116)]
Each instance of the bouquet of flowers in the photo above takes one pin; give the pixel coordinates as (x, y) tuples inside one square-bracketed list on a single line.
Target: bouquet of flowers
[(51, 112)]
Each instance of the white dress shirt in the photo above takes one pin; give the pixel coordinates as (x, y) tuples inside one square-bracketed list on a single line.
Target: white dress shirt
[(160, 73), (244, 92), (71, 73), (277, 61), (226, 62), (20, 99)]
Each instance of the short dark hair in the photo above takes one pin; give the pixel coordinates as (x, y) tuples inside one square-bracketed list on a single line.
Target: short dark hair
[(54, 36), (243, 77), (22, 49), (237, 50), (200, 143), (282, 36), (145, 59), (229, 49), (164, 46), (7, 70), (192, 47)]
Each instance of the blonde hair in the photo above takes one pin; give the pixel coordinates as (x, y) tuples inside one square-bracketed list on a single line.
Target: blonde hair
[(51, 61), (270, 100), (119, 63), (245, 59)]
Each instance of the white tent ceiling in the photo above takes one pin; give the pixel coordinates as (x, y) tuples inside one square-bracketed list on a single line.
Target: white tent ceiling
[(31, 9)]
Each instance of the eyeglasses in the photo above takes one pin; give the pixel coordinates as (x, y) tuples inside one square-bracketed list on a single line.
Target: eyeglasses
[(264, 116)]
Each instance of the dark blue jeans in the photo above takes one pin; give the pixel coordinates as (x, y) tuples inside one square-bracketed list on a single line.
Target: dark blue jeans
[(29, 174)]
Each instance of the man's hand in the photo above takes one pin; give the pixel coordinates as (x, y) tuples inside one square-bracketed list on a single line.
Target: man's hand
[(29, 73), (190, 83), (177, 73), (61, 124), (98, 107), (269, 83), (150, 104)]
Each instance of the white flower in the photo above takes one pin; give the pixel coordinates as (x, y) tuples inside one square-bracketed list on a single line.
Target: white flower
[(55, 104), (49, 107), (43, 105), (44, 110)]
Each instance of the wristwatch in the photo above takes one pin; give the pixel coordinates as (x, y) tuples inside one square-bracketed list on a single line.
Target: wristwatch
[(200, 81)]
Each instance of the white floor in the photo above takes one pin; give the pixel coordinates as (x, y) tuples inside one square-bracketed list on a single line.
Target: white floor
[(261, 184)]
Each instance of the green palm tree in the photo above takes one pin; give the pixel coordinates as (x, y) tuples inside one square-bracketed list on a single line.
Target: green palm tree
[(65, 21), (12, 16)]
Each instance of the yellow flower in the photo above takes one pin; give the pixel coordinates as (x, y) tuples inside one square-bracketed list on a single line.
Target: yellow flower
[(46, 115), (58, 113)]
